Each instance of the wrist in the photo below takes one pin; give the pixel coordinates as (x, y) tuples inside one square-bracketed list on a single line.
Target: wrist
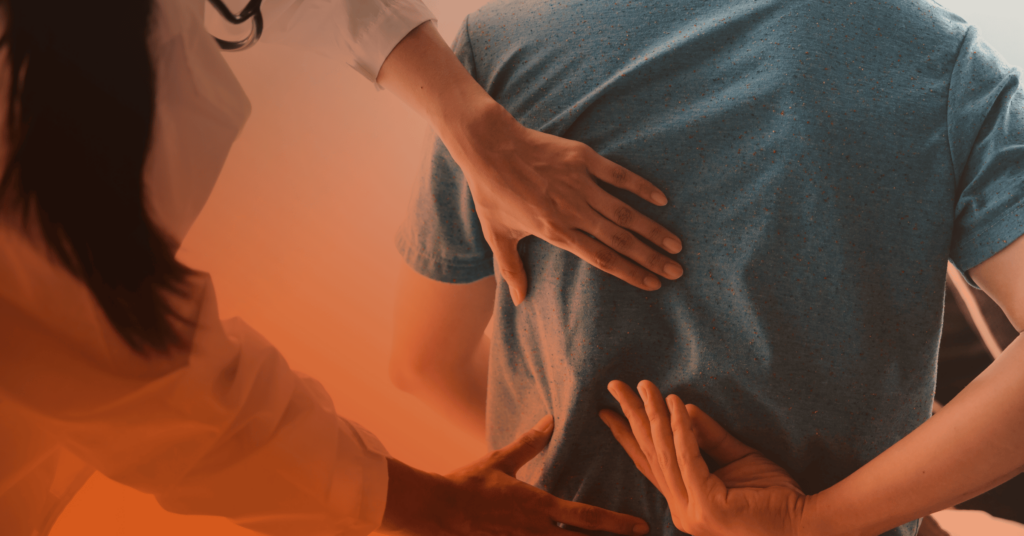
[(479, 125), (821, 516), (417, 502)]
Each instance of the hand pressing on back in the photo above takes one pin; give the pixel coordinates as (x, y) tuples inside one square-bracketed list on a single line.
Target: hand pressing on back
[(486, 499), (749, 496)]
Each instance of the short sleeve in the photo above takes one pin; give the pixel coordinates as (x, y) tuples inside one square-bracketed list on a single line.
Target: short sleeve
[(441, 237), (361, 32), (986, 134)]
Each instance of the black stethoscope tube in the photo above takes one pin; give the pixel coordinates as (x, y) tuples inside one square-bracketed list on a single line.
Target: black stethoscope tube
[(251, 11)]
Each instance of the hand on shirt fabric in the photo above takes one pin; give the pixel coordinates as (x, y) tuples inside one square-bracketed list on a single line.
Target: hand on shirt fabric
[(749, 495), (485, 498), (526, 182)]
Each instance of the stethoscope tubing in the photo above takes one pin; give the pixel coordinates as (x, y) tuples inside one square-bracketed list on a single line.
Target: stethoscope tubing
[(250, 11)]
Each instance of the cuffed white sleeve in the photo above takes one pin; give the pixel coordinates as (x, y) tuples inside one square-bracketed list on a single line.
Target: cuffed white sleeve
[(360, 32), (225, 428)]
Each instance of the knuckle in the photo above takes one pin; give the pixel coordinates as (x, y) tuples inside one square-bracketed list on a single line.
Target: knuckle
[(550, 226), (590, 516), (559, 237), (576, 152), (619, 175), (509, 272), (623, 216), (496, 457), (621, 241), (654, 260), (657, 234), (664, 459), (534, 439), (604, 259)]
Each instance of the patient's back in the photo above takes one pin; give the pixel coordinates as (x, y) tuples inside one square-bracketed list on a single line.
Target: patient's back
[(822, 159)]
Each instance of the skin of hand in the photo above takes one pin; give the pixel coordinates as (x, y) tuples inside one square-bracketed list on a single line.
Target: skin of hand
[(485, 499), (526, 182), (748, 496), (980, 432)]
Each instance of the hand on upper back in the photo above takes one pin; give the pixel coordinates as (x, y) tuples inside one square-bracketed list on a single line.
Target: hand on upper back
[(526, 182), (749, 496), (1002, 278), (486, 499)]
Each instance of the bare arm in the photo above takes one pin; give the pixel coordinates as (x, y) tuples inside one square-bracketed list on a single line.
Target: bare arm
[(440, 351), (973, 445), (526, 182)]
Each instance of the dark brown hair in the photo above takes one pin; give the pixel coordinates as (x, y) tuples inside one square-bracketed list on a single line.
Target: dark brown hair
[(80, 120)]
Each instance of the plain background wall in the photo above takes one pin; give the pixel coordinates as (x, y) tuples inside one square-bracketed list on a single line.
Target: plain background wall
[(298, 236)]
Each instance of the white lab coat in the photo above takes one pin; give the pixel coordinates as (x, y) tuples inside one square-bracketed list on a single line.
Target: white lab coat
[(226, 428)]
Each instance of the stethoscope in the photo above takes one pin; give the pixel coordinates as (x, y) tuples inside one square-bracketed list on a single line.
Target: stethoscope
[(251, 11)]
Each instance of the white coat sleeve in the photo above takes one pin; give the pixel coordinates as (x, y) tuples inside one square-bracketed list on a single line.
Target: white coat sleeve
[(225, 428), (360, 32)]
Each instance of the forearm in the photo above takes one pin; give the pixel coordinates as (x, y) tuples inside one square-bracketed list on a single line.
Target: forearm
[(424, 73), (457, 390), (972, 445)]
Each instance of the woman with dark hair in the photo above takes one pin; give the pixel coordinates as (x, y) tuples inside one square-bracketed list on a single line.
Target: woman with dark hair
[(120, 114)]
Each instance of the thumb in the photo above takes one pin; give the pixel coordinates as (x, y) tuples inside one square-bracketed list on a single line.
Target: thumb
[(525, 448), (714, 439), (510, 265)]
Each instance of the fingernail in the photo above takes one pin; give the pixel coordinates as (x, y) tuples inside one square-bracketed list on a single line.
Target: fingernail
[(659, 198), (652, 282), (674, 271), (517, 297), (640, 530), (545, 425), (672, 245)]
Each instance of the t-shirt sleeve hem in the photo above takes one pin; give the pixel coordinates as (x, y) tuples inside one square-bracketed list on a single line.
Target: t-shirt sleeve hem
[(981, 246), (442, 269)]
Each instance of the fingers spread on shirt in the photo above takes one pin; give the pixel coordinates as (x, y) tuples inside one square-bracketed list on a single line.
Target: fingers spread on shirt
[(593, 518), (624, 435), (713, 439), (627, 217), (633, 408), (632, 247), (661, 434), (620, 177), (609, 261)]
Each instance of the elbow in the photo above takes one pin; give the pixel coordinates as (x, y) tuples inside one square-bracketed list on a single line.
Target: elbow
[(407, 373)]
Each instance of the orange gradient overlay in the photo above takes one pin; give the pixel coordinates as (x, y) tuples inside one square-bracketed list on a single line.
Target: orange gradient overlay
[(298, 236)]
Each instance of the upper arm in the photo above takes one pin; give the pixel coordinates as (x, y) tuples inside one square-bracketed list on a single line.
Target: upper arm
[(986, 134), (1002, 278), (438, 324)]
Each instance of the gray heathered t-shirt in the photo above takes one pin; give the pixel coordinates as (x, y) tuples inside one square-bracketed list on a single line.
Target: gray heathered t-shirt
[(823, 160)]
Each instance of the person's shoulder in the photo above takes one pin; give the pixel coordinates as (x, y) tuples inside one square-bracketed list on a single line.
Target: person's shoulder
[(515, 18), (925, 16), (497, 11)]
